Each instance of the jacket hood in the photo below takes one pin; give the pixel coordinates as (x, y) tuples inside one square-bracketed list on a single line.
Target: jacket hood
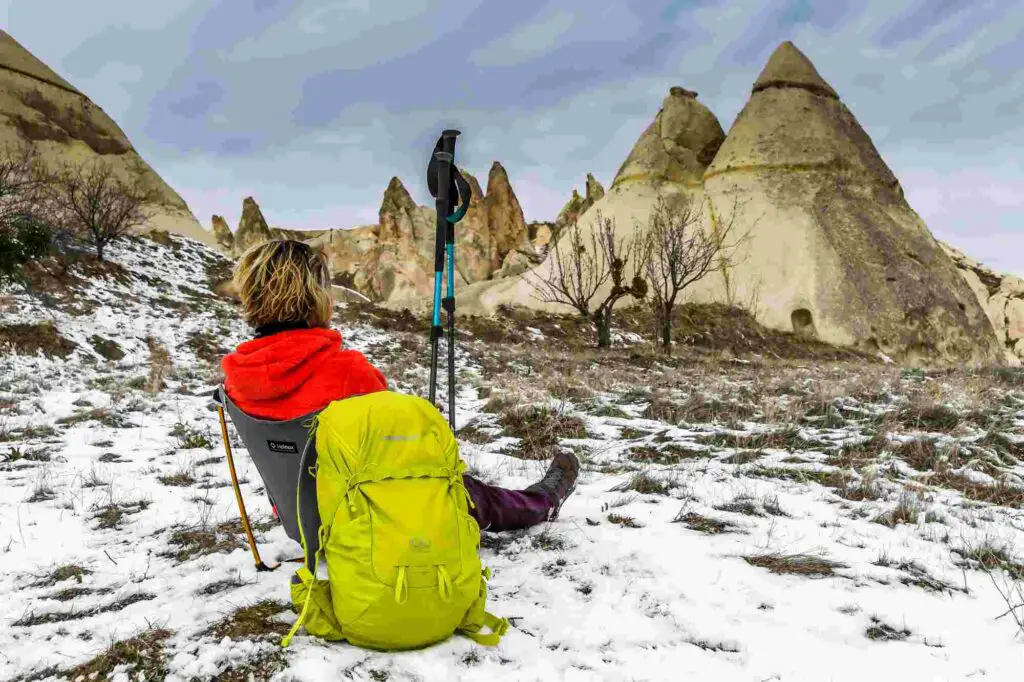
[(276, 366)]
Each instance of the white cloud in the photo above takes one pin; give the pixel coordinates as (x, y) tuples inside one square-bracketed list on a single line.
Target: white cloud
[(526, 42)]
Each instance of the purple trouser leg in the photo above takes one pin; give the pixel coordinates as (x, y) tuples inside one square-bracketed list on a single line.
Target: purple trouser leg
[(498, 509)]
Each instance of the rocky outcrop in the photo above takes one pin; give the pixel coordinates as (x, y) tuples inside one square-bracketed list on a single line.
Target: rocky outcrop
[(222, 233), (832, 246), (252, 227), (1002, 298), (832, 239), (39, 106), (677, 146), (394, 259)]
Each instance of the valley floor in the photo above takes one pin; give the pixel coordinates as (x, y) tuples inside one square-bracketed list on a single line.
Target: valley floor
[(736, 519)]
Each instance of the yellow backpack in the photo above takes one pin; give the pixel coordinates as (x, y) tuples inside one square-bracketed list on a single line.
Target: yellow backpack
[(395, 530)]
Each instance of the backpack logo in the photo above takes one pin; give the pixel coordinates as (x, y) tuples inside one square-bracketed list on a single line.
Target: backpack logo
[(283, 446), (418, 544), (400, 438)]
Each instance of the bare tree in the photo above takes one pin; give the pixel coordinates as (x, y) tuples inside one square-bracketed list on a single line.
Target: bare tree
[(21, 181), (582, 265), (97, 204), (680, 252)]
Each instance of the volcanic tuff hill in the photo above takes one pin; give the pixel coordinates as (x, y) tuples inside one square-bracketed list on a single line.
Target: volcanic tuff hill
[(36, 104), (835, 251)]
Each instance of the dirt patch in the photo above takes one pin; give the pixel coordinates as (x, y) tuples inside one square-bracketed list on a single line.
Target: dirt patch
[(29, 339)]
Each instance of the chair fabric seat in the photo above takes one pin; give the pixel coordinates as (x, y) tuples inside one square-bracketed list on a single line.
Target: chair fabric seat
[(284, 453)]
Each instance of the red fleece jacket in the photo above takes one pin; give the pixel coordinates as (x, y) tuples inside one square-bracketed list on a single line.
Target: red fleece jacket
[(292, 373)]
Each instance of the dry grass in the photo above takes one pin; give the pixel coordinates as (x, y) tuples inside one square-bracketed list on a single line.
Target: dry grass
[(703, 524), (929, 454), (907, 510), (645, 483), (1002, 493), (665, 455), (856, 455), (111, 515), (254, 622), (28, 339), (624, 521), (795, 564), (34, 619), (472, 433), (991, 556), (788, 439), (881, 631), (96, 414), (742, 504), (62, 573), (181, 478), (540, 429), (141, 657), (202, 541), (696, 409), (930, 416)]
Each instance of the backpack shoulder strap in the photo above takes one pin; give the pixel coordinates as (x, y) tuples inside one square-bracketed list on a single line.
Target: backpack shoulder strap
[(307, 512)]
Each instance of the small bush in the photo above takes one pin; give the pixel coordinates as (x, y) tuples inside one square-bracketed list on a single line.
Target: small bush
[(190, 438), (23, 239)]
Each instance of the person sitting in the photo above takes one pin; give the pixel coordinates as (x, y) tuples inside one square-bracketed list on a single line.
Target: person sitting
[(296, 365)]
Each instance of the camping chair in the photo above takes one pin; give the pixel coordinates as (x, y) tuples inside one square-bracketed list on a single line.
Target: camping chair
[(284, 453)]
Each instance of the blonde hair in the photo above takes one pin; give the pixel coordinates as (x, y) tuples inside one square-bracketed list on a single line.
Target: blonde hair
[(284, 281)]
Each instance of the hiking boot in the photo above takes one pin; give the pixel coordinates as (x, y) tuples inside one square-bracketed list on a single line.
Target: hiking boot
[(559, 482)]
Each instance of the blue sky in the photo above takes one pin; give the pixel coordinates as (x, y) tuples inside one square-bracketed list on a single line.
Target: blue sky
[(312, 106)]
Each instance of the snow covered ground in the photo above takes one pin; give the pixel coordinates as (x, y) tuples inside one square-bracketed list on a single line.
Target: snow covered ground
[(706, 541)]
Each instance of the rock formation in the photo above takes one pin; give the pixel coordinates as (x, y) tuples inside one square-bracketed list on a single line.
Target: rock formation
[(833, 250), (677, 146), (252, 228), (394, 259), (833, 244), (222, 233), (38, 105), (1002, 298)]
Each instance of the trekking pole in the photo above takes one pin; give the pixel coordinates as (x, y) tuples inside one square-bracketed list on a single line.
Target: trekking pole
[(449, 301), (260, 566), (446, 185)]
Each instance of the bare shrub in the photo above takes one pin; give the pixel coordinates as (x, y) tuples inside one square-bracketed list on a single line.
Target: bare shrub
[(581, 267), (680, 252)]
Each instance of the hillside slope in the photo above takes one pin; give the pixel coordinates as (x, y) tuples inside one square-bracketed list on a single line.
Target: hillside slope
[(738, 518), (38, 105)]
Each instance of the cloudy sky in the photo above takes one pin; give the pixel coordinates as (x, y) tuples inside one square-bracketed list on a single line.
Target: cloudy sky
[(311, 106)]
